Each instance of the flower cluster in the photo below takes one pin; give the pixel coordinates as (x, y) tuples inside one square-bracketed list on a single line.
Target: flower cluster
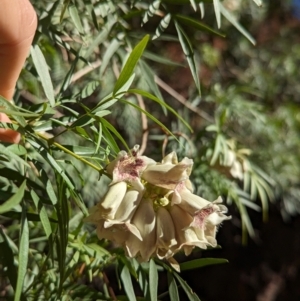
[(150, 208)]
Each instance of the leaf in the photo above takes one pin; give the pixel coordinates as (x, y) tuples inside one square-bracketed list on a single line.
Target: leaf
[(17, 149), (66, 3), (110, 51), (6, 104), (131, 63), (159, 59), (7, 258), (12, 156), (43, 72), (68, 77), (191, 295), (162, 103), (202, 10), (163, 25), (258, 2), (173, 291), (193, 4), (198, 25), (89, 89), (235, 23), (76, 18), (149, 77), (127, 283), (42, 213), (153, 280), (57, 167), (153, 7), (23, 256), (14, 200), (202, 262), (102, 36), (217, 12), (110, 127), (151, 117), (189, 53)]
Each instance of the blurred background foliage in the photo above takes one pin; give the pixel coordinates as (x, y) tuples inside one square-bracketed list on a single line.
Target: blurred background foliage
[(78, 103)]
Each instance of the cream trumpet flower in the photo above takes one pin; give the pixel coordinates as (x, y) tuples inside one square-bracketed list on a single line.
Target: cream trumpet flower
[(115, 212), (145, 221), (165, 231), (169, 173), (150, 209), (129, 167)]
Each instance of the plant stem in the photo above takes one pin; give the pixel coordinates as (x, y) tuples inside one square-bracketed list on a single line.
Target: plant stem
[(51, 142)]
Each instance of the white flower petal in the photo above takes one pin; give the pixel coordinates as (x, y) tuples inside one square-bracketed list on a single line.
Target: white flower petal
[(113, 199), (145, 220), (165, 229), (186, 237), (168, 175), (191, 202)]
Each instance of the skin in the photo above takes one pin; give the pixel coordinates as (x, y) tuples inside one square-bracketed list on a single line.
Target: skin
[(18, 23)]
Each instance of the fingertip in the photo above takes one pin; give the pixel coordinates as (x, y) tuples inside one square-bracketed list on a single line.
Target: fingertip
[(10, 136)]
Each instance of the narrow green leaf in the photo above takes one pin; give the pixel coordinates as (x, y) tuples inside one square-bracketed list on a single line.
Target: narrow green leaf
[(131, 63), (42, 213), (191, 295), (89, 89), (17, 149), (202, 262), (189, 53), (202, 10), (6, 104), (102, 36), (153, 7), (110, 140), (162, 103), (258, 2), (65, 6), (163, 25), (193, 4), (82, 121), (127, 283), (235, 23), (76, 18), (23, 256), (12, 156), (149, 77), (159, 59), (110, 51), (14, 113), (125, 87), (153, 280), (68, 77), (110, 127), (57, 167), (151, 117), (173, 290), (7, 258), (43, 72), (94, 18), (14, 200), (198, 25), (217, 149), (217, 12)]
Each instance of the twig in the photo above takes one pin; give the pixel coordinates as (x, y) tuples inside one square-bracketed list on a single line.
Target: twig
[(181, 99), (86, 70), (51, 142), (144, 125)]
